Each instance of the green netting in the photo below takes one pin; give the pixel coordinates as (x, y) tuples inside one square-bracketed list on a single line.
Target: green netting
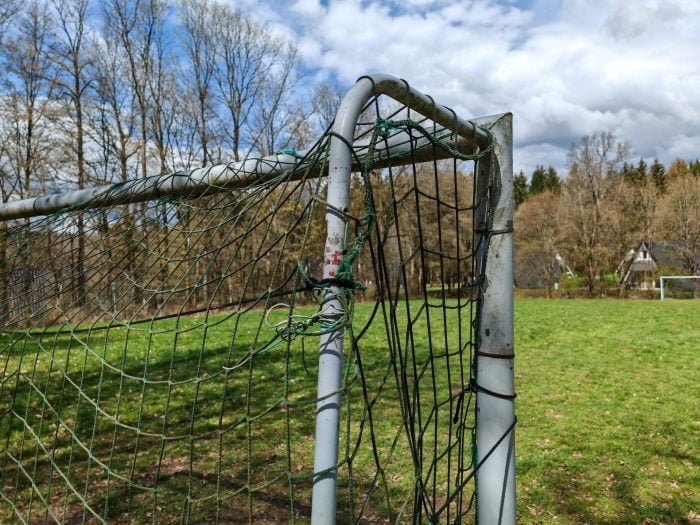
[(160, 358)]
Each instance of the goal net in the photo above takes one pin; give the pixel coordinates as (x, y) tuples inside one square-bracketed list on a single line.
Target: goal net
[(159, 338)]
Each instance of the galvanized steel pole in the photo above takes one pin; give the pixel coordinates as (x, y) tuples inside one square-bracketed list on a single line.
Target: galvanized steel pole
[(221, 177), (661, 284), (330, 364), (495, 397), (323, 509)]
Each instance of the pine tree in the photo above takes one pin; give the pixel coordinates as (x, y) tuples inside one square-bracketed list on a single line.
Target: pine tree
[(538, 181), (694, 167), (657, 173), (626, 171), (544, 180), (553, 180), (634, 174), (641, 175), (520, 188)]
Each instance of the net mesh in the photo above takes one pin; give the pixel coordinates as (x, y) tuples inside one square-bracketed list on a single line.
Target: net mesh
[(160, 358)]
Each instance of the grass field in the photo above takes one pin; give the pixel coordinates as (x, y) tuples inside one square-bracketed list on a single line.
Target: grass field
[(608, 411), (608, 419)]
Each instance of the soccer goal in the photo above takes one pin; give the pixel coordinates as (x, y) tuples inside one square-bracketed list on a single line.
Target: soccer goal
[(323, 334), (679, 286)]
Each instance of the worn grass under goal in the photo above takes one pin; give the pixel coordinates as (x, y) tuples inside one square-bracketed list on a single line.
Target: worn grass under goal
[(607, 414)]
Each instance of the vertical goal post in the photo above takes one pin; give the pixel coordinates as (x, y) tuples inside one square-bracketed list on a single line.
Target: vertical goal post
[(495, 410), (169, 259)]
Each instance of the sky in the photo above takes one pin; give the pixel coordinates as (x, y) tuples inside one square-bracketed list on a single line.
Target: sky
[(564, 68)]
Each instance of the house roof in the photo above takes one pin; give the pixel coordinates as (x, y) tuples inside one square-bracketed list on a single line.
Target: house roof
[(644, 265), (666, 253)]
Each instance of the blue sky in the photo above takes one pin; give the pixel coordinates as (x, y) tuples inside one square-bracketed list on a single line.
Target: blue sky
[(565, 68)]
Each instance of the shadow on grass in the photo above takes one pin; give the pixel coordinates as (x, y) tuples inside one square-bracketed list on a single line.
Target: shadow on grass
[(568, 496), (191, 496), (215, 438)]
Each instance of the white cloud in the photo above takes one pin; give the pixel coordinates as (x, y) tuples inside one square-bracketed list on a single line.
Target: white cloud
[(565, 68), (308, 8)]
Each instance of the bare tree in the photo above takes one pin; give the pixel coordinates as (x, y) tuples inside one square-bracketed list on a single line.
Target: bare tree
[(8, 10), (29, 98), (163, 87), (679, 220), (586, 198), (538, 236), (630, 217), (72, 63), (25, 105), (279, 119), (118, 109), (255, 76), (200, 20), (325, 102), (183, 134), (138, 24)]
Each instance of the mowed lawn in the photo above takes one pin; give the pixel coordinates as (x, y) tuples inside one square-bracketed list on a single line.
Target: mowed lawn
[(608, 411), (608, 415)]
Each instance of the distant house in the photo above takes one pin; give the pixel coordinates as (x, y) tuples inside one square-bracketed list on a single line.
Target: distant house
[(638, 270)]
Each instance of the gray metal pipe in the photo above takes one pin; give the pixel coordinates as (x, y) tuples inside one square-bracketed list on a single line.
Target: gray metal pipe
[(221, 177), (473, 138), (495, 396), (330, 363)]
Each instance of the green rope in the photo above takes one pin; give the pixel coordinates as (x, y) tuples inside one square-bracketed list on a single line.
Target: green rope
[(383, 128)]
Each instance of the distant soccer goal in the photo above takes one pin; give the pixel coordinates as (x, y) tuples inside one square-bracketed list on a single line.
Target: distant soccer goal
[(679, 286), (323, 334)]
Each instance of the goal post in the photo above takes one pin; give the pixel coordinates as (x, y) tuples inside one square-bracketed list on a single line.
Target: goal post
[(494, 385), (664, 282), (495, 388), (166, 375)]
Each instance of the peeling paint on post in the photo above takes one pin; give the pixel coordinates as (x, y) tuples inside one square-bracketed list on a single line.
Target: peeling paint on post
[(330, 363)]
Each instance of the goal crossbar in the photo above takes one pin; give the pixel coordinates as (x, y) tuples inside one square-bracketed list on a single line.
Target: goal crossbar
[(461, 135)]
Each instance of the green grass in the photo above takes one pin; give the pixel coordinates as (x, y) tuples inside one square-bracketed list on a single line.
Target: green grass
[(607, 416), (74, 388), (608, 411)]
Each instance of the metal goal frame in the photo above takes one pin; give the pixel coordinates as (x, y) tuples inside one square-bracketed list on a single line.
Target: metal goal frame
[(494, 350)]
